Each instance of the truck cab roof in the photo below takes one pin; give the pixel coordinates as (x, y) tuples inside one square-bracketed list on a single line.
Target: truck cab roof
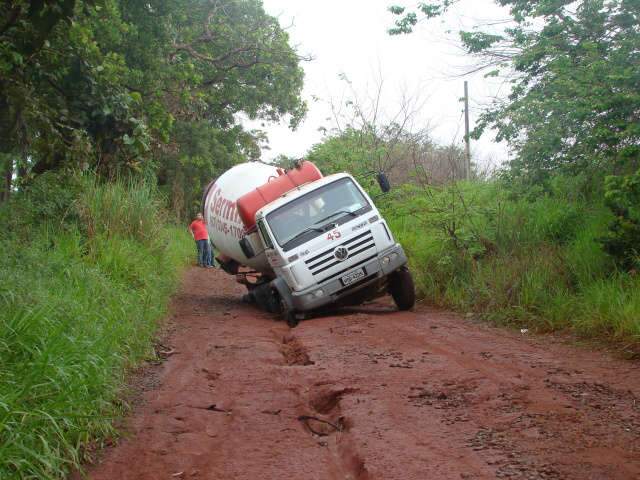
[(298, 192)]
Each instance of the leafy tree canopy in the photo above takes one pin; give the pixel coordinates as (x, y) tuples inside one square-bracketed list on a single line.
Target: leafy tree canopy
[(122, 84), (574, 68)]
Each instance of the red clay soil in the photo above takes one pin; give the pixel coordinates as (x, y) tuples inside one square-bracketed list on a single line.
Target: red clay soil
[(371, 394)]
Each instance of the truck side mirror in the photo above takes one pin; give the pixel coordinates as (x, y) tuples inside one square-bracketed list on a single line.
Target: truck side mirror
[(247, 248), (383, 181)]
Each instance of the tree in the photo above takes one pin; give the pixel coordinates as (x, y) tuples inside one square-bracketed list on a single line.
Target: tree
[(204, 153), (412, 158), (622, 240), (128, 86), (365, 138), (227, 57), (62, 96), (574, 68)]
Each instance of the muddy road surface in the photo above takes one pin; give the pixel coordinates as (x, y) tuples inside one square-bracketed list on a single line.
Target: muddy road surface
[(371, 394)]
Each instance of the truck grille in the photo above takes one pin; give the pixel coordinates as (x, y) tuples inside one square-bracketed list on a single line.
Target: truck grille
[(355, 246)]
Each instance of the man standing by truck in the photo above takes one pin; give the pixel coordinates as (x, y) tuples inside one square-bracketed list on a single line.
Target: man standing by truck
[(199, 233)]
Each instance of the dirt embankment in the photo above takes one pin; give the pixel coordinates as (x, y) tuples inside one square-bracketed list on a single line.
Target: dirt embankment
[(372, 394)]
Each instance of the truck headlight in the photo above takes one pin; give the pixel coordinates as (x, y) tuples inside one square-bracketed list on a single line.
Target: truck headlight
[(318, 293), (385, 260)]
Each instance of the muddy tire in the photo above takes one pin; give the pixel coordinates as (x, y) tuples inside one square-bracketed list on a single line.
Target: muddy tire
[(249, 299), (287, 314), (402, 289), (264, 296), (272, 303), (291, 320)]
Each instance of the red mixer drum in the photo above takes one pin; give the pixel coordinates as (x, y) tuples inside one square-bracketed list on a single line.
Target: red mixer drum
[(251, 202), (231, 203)]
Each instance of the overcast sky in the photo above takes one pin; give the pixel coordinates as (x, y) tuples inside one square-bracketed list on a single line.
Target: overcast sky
[(350, 37)]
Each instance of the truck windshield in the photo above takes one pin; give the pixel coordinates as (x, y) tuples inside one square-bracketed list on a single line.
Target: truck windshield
[(306, 217)]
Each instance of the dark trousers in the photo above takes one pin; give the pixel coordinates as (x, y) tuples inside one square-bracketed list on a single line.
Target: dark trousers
[(204, 253)]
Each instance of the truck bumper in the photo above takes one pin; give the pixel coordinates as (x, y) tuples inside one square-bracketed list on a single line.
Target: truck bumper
[(333, 290)]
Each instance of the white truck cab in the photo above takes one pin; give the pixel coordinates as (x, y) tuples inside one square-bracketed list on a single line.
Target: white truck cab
[(325, 241), (300, 241)]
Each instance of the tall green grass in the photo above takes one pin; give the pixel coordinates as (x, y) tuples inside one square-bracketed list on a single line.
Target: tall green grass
[(525, 260), (81, 296)]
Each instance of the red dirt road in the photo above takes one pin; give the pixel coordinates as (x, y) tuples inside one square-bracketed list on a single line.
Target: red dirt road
[(372, 394)]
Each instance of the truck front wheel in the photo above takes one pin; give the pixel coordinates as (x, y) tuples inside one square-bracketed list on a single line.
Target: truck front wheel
[(402, 289), (287, 314)]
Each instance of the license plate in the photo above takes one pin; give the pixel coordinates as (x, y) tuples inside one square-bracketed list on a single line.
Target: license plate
[(349, 278)]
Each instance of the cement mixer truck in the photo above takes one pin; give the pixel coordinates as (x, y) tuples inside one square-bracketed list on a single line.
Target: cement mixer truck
[(300, 241)]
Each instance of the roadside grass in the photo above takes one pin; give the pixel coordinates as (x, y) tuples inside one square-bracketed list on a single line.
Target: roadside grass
[(527, 261), (81, 297)]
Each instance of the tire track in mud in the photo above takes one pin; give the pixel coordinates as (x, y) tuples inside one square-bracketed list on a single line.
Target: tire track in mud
[(320, 413), (371, 394), (484, 402), (293, 352)]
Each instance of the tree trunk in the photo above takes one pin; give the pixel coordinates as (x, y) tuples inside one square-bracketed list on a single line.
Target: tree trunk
[(177, 197), (7, 178)]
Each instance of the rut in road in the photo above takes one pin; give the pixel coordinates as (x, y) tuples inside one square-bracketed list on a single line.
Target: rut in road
[(371, 393), (322, 417)]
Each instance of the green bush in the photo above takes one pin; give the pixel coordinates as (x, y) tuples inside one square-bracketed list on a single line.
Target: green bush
[(622, 241), (49, 199), (129, 209), (526, 260), (80, 302)]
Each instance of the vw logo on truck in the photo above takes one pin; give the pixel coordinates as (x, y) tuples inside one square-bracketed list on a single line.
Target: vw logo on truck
[(300, 241), (341, 253)]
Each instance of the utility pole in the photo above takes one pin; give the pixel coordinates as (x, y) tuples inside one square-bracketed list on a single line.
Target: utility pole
[(467, 140)]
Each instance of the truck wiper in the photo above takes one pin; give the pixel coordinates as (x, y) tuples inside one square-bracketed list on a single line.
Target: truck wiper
[(299, 234), (353, 214), (318, 229)]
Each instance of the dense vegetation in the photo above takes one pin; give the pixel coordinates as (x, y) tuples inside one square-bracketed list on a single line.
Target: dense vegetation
[(87, 269), (534, 262), (574, 70), (562, 255), (113, 116), (552, 241), (574, 104), (153, 87)]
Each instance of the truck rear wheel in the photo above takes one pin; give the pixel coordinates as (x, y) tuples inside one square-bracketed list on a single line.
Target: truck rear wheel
[(402, 289)]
